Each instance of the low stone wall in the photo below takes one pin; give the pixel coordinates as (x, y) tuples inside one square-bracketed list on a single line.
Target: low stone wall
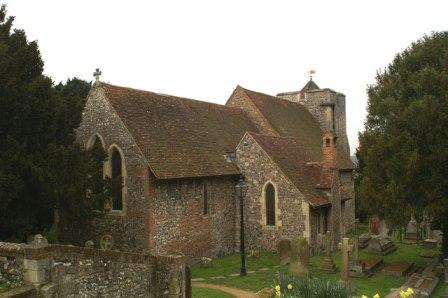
[(69, 271)]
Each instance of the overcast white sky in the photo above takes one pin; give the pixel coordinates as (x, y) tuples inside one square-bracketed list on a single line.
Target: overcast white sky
[(203, 49)]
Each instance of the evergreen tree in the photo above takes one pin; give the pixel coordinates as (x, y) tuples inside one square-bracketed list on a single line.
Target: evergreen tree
[(403, 153), (41, 168)]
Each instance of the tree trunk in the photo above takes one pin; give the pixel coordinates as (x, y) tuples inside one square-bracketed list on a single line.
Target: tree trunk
[(444, 226)]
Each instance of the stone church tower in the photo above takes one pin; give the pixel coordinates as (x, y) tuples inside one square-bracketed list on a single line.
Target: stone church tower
[(327, 106)]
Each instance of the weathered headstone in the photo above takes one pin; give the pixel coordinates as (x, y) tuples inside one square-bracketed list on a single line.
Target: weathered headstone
[(37, 240), (384, 229), (89, 244), (284, 251), (381, 245), (300, 257), (327, 263), (346, 248), (374, 225), (411, 234), (205, 262), (356, 267)]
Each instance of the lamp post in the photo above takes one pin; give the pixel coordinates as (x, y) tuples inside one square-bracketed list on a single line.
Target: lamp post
[(241, 190)]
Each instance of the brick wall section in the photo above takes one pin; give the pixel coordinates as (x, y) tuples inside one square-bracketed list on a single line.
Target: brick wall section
[(240, 99), (86, 272), (130, 230), (258, 169), (180, 225)]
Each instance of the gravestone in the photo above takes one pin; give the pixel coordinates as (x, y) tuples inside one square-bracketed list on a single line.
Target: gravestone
[(327, 263), (205, 262), (345, 248), (363, 240), (284, 251), (411, 234), (374, 225), (356, 267), (37, 240), (424, 283), (381, 245), (300, 257), (89, 244), (398, 268), (383, 229)]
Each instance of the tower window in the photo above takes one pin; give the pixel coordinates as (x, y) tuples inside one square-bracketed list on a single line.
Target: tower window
[(327, 142)]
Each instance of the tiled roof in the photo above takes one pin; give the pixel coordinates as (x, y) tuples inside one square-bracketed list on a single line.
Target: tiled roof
[(295, 161), (180, 137), (290, 119)]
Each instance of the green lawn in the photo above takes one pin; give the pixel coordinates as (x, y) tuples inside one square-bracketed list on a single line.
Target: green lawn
[(207, 293), (378, 283)]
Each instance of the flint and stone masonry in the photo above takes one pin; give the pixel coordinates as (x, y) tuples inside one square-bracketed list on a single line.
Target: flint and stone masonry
[(179, 182)]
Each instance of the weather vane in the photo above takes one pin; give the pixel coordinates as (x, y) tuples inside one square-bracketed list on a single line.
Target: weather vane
[(311, 72)]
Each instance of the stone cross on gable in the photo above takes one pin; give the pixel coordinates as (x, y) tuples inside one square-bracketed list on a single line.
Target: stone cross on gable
[(345, 248), (97, 74)]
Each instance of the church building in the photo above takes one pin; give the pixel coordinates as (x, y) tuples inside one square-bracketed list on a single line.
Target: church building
[(180, 160)]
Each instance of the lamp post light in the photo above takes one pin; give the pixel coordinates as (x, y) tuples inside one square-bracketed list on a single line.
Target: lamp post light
[(241, 190)]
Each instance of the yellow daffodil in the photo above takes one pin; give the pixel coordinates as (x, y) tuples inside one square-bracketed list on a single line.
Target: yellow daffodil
[(403, 294), (277, 288), (364, 296), (410, 291), (376, 295), (278, 293), (289, 286)]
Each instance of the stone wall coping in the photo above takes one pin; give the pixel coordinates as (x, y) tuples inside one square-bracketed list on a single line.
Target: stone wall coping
[(31, 252)]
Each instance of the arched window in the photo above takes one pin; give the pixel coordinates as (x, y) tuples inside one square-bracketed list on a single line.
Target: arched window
[(117, 177), (270, 204)]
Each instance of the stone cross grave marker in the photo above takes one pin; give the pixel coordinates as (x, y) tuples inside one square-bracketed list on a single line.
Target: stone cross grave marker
[(300, 257), (345, 248)]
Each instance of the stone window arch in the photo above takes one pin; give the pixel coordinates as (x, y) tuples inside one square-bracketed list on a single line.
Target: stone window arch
[(269, 198), (270, 211), (116, 169), (93, 140)]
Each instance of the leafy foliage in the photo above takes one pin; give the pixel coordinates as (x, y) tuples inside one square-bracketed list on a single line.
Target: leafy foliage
[(290, 286), (41, 168), (403, 151)]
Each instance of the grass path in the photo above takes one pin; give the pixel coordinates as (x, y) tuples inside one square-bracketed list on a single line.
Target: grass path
[(232, 291)]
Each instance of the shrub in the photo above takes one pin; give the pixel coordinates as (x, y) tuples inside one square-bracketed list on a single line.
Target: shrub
[(289, 286)]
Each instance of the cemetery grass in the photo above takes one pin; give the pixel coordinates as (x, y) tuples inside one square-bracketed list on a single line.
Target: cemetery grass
[(378, 283), (198, 292)]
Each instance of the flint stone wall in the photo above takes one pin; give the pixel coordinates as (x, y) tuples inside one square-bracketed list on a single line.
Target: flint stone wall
[(11, 272), (291, 218), (69, 271), (180, 225), (129, 228)]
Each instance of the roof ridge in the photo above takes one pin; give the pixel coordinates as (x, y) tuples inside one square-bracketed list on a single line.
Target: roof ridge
[(175, 97)]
